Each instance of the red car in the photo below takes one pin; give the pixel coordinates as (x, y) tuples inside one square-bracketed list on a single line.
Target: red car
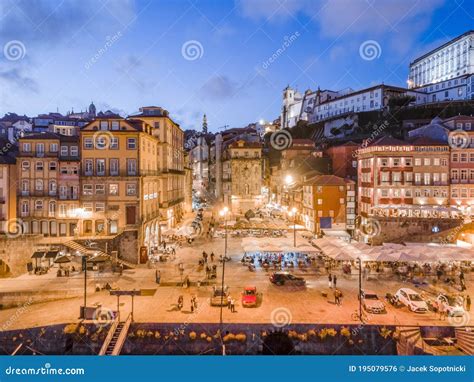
[(249, 296)]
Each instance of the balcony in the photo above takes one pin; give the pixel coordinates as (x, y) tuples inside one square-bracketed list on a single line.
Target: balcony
[(68, 196)]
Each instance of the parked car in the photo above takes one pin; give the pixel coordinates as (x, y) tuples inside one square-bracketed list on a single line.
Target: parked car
[(249, 297), (412, 300), (453, 304), (286, 278), (371, 302), (219, 296)]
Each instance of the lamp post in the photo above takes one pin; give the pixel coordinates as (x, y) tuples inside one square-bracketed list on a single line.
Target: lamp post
[(293, 213), (223, 213), (360, 289)]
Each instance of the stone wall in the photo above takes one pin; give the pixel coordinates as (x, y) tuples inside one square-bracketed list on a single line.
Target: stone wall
[(17, 252)]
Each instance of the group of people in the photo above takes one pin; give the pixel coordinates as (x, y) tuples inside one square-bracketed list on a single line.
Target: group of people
[(193, 305)]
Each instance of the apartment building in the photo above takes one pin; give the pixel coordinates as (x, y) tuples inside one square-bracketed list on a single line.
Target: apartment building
[(9, 223), (170, 156), (328, 203), (404, 179), (242, 175), (48, 168)]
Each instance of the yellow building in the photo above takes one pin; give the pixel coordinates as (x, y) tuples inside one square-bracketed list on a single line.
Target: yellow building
[(9, 222), (170, 157), (48, 184), (120, 180)]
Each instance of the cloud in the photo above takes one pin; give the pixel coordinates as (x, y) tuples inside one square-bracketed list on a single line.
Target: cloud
[(274, 10), (219, 87), (17, 78), (129, 64)]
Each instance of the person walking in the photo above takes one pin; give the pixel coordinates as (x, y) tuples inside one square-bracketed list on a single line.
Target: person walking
[(212, 257), (442, 310), (334, 281), (330, 281), (157, 276), (468, 303), (180, 302), (337, 297), (232, 305), (229, 301)]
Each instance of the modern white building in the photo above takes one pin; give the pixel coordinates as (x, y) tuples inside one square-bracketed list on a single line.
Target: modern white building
[(446, 72)]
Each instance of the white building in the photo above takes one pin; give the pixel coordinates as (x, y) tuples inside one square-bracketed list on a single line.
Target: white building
[(446, 73)]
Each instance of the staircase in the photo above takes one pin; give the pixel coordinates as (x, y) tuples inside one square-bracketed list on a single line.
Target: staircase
[(116, 337), (80, 248), (410, 342), (465, 339)]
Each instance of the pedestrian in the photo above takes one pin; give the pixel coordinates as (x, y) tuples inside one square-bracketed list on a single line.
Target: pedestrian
[(195, 302), (442, 310), (157, 276), (212, 257), (229, 300), (334, 281), (192, 304), (337, 297), (180, 302), (463, 285), (330, 281), (468, 303), (232, 305)]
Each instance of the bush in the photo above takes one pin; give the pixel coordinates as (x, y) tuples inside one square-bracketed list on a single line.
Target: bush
[(345, 332), (192, 336)]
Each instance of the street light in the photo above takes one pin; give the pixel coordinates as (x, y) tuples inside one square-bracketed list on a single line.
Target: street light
[(293, 213), (360, 289), (223, 213), (288, 179)]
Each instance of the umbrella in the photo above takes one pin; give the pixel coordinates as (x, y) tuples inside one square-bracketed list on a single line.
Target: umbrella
[(62, 259)]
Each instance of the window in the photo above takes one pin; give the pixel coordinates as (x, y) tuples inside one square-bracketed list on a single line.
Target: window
[(104, 125), (89, 167), (100, 207), (320, 201), (384, 162), (131, 143), (25, 165), (100, 167), (417, 161), (408, 176), (131, 167), (100, 189), (426, 161), (408, 193), (53, 147), (384, 193), (463, 174), (444, 162), (74, 151), (39, 166), (417, 177), (115, 125), (131, 189), (396, 176), (396, 162), (113, 189), (25, 208), (454, 174), (436, 162), (26, 147), (114, 143), (39, 205), (63, 170), (52, 187), (25, 186), (87, 189), (341, 200), (52, 208), (88, 143), (114, 167), (53, 166), (87, 207), (40, 148), (463, 157), (64, 151), (39, 185), (426, 178), (455, 157)]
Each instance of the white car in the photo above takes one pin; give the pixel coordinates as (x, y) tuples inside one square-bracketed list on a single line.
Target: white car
[(452, 304), (412, 300)]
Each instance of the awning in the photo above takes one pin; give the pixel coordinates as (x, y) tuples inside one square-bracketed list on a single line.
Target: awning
[(51, 254), (38, 255), (62, 260)]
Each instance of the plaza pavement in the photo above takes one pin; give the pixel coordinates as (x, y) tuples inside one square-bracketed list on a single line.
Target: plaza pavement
[(278, 305)]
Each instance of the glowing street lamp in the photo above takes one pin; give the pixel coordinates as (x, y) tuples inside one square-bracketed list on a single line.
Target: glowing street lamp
[(288, 179), (293, 214)]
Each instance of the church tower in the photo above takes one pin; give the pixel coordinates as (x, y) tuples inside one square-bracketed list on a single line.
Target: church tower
[(92, 110), (204, 124)]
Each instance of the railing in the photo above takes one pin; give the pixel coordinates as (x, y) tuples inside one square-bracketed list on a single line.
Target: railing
[(109, 337), (123, 336)]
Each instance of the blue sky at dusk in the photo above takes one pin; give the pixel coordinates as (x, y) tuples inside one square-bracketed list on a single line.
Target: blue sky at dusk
[(140, 60)]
